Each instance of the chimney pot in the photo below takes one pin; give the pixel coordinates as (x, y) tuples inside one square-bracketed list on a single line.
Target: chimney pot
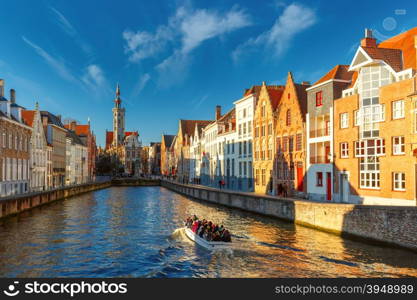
[(305, 83), (12, 95), (1, 87), (218, 112), (368, 33), (73, 125), (368, 40)]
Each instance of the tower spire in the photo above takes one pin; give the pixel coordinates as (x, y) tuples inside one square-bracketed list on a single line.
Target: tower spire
[(117, 90)]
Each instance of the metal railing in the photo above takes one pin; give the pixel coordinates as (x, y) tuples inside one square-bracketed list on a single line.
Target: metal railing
[(315, 133)]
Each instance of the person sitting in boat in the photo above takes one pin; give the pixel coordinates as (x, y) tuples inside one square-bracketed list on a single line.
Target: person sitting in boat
[(216, 237), (195, 226), (225, 237)]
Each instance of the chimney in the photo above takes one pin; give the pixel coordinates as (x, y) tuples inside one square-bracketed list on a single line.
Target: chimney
[(44, 121), (368, 40), (1, 88), (218, 112), (305, 83), (12, 96), (73, 124)]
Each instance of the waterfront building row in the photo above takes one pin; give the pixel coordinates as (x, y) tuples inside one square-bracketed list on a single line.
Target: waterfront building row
[(38, 152), (349, 137)]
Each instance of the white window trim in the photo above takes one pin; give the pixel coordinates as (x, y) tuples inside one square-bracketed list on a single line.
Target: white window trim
[(394, 181), (396, 148)]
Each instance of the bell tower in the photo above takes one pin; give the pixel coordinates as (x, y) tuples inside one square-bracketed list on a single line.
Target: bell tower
[(118, 119)]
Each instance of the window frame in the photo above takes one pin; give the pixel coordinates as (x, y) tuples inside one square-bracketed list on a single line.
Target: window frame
[(344, 151), (319, 98), (399, 181)]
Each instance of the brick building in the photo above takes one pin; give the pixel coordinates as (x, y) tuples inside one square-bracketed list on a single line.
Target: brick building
[(319, 131), (263, 136), (38, 150), (14, 146), (166, 143), (56, 137), (375, 124), (290, 139)]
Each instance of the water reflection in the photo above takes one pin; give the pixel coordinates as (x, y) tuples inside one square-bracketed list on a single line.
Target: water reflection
[(128, 231)]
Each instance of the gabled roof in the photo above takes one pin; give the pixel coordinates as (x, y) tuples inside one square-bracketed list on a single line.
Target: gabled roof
[(128, 133), (300, 89), (109, 138), (406, 42), (52, 119), (253, 90), (82, 129), (275, 93), (393, 57), (188, 126), (28, 116), (168, 139), (354, 78), (337, 72), (227, 118)]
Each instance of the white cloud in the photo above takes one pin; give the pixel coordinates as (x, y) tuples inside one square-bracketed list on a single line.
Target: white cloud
[(294, 19), (142, 44), (200, 25), (71, 31), (94, 77), (140, 85), (185, 31), (57, 64)]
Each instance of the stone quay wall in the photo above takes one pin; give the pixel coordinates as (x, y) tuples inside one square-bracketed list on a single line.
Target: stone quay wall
[(16, 204), (390, 225)]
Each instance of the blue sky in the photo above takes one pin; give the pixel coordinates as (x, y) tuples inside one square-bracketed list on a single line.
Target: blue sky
[(175, 59)]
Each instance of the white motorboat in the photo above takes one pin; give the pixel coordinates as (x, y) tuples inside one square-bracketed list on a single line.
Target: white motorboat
[(204, 243)]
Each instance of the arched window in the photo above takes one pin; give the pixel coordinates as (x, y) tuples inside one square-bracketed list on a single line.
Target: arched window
[(288, 118)]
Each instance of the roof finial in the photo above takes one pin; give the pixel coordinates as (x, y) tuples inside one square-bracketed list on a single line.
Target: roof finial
[(37, 105), (117, 90)]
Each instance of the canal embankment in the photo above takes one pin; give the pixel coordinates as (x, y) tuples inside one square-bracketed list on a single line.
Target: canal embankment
[(390, 225), (13, 205), (16, 204)]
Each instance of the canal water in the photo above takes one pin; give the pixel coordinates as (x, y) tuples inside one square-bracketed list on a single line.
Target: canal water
[(132, 232)]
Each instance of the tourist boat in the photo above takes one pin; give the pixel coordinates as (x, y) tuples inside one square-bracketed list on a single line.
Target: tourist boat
[(202, 242)]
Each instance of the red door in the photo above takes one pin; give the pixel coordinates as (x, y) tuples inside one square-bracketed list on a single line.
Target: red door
[(300, 177), (329, 186), (327, 154)]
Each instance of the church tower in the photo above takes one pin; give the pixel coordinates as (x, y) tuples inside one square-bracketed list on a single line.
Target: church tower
[(118, 119)]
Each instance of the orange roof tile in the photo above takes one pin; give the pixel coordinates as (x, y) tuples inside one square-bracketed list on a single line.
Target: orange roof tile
[(28, 116), (253, 90), (338, 72), (275, 92), (393, 57), (109, 138), (188, 126), (82, 129), (405, 42), (354, 77)]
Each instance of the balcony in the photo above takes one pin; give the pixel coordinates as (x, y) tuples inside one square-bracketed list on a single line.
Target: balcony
[(320, 153), (319, 159), (319, 132), (320, 126)]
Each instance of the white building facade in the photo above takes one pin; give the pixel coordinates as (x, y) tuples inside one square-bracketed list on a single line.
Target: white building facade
[(38, 150), (245, 108)]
